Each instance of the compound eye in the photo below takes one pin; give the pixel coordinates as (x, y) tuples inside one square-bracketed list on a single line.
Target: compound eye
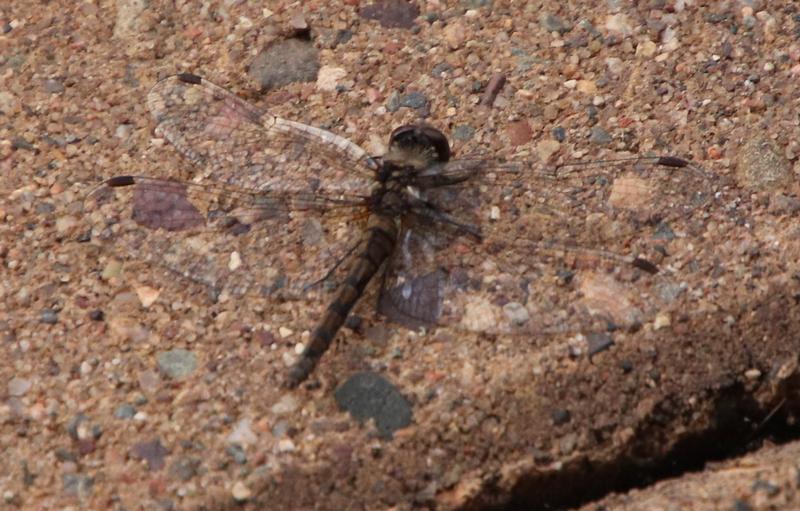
[(423, 136)]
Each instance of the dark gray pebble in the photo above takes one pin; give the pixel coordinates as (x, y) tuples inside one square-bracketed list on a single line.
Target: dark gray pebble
[(237, 454), (125, 411), (598, 342), (561, 416), (371, 396), (287, 61), (599, 136), (391, 13), (414, 100), (463, 132), (553, 23), (48, 316)]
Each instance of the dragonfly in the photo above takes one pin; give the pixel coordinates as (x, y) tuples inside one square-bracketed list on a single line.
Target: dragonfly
[(287, 211)]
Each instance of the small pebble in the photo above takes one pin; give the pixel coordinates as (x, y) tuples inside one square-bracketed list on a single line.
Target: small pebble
[(124, 411), (391, 13), (547, 148), (414, 100), (454, 34), (74, 426), (661, 320), (237, 454), (63, 454), (598, 342), (463, 132), (77, 485), (177, 364), (561, 416), (242, 434), (147, 295), (235, 261), (493, 88), (297, 22), (371, 396), (619, 23), (285, 405), (567, 443), (441, 68), (599, 136), (48, 316), (66, 223), (240, 491), (519, 133), (393, 102), (53, 86), (287, 61), (343, 36), (18, 387), (286, 445), (123, 131), (152, 452), (329, 77), (553, 23), (184, 468), (587, 87), (86, 368), (762, 166), (112, 269), (516, 313)]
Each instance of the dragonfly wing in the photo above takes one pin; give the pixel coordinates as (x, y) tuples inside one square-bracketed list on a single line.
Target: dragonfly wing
[(274, 208), (588, 249), (234, 142), (232, 240)]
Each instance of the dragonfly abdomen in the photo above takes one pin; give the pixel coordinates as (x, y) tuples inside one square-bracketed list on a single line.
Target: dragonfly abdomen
[(379, 244)]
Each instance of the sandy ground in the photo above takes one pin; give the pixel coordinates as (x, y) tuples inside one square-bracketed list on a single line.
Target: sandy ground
[(123, 386)]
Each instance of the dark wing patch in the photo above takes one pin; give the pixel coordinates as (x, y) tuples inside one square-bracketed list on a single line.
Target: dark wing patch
[(228, 238)]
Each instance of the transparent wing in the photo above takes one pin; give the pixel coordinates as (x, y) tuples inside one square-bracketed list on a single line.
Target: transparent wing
[(236, 143), (276, 206), (574, 248), (232, 240)]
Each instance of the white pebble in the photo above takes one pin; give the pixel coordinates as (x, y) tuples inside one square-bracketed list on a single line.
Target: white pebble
[(286, 445), (240, 491), (235, 261), (285, 405)]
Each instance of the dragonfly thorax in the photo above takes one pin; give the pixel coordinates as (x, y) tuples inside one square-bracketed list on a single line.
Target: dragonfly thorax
[(394, 198)]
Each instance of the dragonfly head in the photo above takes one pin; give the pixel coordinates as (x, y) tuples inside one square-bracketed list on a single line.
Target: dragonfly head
[(415, 147)]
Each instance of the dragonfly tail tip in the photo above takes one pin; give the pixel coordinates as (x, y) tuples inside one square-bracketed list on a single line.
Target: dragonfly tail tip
[(645, 265)]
